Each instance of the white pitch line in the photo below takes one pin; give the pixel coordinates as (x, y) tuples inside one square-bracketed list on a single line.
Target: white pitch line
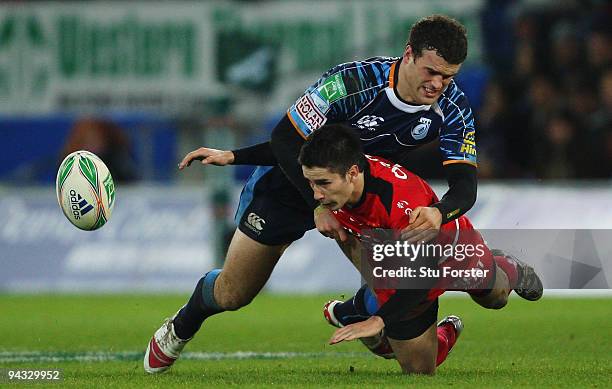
[(39, 356)]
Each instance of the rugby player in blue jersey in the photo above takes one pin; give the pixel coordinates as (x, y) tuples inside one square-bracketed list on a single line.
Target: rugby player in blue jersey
[(396, 105)]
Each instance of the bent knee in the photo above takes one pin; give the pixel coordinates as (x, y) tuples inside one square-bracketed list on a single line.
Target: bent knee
[(229, 297), (424, 368), (230, 301), (496, 302), (425, 364), (499, 304)]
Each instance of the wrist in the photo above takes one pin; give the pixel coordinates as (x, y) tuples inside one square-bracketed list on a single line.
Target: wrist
[(438, 211), (378, 320), (231, 157), (442, 211)]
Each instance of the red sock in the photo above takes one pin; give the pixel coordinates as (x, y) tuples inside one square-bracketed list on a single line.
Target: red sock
[(446, 340), (509, 267)]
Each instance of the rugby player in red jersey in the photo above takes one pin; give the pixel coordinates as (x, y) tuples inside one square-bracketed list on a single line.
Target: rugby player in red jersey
[(366, 193), (395, 104)]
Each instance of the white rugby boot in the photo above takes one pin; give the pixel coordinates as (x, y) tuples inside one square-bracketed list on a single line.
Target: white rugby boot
[(164, 348)]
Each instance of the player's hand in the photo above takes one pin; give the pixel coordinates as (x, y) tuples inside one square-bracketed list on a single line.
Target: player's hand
[(369, 327), (328, 225), (424, 225), (208, 157)]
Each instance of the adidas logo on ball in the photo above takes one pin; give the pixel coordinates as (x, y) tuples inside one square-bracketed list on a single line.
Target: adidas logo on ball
[(79, 205)]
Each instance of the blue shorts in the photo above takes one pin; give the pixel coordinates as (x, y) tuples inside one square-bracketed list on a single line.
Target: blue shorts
[(271, 210)]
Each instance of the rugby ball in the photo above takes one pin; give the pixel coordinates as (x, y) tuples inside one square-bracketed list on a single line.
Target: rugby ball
[(85, 190)]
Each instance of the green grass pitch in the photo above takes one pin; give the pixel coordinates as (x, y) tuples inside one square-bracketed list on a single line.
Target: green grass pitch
[(99, 340)]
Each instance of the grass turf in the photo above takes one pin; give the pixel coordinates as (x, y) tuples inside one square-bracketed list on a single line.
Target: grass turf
[(560, 342)]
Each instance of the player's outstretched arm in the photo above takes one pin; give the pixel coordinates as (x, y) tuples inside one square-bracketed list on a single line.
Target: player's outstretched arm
[(207, 156), (259, 154), (370, 327)]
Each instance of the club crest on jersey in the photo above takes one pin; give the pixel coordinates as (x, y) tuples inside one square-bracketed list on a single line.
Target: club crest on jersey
[(369, 122), (420, 131)]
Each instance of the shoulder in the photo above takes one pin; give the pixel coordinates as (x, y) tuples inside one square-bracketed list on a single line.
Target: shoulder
[(375, 63), (358, 74), (455, 108), (452, 97)]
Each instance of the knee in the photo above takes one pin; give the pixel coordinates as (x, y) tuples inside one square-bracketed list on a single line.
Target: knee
[(420, 365), (230, 298), (419, 368), (232, 301), (496, 300)]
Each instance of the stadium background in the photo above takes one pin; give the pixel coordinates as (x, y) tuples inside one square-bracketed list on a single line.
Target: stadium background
[(142, 83)]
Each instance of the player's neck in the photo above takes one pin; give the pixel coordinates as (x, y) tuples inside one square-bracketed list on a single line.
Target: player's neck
[(357, 191), (402, 86), (402, 89)]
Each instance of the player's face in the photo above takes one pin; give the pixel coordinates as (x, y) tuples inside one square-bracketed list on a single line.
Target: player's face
[(423, 79), (331, 189)]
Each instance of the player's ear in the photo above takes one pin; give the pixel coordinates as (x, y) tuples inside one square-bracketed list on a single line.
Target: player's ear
[(353, 172), (407, 53)]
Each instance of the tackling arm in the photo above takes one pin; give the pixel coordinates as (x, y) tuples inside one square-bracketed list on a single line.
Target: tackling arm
[(260, 154), (461, 194), (286, 144)]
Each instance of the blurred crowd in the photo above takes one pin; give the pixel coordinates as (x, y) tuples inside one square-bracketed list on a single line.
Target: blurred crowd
[(547, 107), (544, 111)]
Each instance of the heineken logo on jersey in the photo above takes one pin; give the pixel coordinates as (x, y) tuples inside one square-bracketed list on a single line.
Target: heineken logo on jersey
[(332, 88), (469, 143), (420, 131)]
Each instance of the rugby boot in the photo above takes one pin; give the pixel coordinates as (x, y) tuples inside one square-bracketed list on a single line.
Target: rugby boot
[(455, 321), (528, 284), (164, 349)]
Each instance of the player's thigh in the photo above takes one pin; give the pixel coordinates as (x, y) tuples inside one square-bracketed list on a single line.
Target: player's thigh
[(248, 266), (417, 355), (250, 262), (270, 216)]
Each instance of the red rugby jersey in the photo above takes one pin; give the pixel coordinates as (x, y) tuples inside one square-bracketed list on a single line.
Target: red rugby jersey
[(390, 193)]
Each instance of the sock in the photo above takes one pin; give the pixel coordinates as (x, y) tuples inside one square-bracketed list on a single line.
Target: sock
[(446, 340), (509, 267), (487, 285), (354, 309), (200, 306)]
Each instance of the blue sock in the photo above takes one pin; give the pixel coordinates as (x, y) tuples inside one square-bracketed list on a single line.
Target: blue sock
[(201, 305), (358, 308)]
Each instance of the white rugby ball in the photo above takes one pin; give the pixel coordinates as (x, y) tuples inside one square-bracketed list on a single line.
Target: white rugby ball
[(85, 190)]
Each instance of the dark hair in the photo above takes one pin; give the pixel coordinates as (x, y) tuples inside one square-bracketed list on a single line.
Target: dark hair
[(334, 147), (441, 33)]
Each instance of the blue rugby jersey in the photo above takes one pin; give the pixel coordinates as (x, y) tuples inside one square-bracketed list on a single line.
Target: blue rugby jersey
[(361, 95)]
